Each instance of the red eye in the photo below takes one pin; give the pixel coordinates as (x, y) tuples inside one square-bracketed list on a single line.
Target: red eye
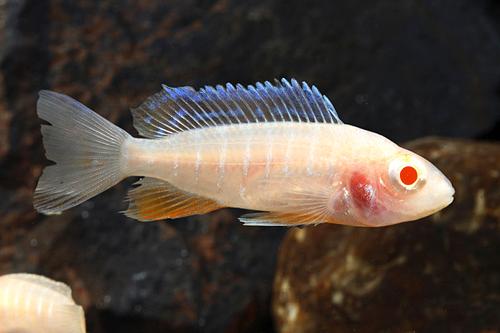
[(408, 175)]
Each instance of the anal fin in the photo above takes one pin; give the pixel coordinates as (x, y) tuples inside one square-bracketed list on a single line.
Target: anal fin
[(280, 219), (156, 199)]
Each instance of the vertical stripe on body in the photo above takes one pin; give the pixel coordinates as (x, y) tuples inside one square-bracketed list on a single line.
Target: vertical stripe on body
[(246, 158), (269, 157), (197, 164), (286, 161), (17, 296), (50, 311), (222, 164), (245, 167), (28, 299), (175, 165), (6, 294), (41, 303), (330, 169), (311, 154)]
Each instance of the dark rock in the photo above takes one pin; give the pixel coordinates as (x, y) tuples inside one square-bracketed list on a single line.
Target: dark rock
[(434, 275), (210, 274)]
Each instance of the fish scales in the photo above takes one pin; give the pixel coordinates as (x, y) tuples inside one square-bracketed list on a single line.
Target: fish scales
[(31, 303), (236, 156), (21, 296), (279, 149)]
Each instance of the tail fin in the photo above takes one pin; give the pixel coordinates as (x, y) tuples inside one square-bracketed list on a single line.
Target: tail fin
[(87, 150)]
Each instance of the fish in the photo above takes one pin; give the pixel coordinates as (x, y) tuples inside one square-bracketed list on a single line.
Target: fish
[(32, 303), (278, 149)]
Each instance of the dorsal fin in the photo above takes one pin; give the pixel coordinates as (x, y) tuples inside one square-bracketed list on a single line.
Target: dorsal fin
[(156, 199), (174, 110)]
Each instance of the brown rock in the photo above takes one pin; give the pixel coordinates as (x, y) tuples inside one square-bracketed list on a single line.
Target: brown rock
[(438, 274)]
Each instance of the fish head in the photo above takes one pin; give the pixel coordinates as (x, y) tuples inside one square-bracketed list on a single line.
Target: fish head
[(400, 187)]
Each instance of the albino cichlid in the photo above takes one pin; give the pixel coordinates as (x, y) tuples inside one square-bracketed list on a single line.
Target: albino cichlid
[(279, 149), (35, 304)]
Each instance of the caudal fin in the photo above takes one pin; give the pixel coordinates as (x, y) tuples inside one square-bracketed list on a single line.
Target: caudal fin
[(87, 150)]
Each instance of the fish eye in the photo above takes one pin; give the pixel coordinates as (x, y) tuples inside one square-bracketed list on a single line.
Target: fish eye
[(406, 173)]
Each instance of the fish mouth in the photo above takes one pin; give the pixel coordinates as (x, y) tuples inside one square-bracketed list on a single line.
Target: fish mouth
[(446, 197), (450, 200), (437, 209), (450, 196)]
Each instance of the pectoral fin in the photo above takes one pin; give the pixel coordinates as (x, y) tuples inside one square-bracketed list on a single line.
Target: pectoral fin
[(296, 205), (156, 199)]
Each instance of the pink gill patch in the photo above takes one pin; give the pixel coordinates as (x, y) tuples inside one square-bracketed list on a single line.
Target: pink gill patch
[(362, 192)]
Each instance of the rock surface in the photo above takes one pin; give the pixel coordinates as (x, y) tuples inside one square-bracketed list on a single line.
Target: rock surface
[(205, 273), (403, 69), (440, 274)]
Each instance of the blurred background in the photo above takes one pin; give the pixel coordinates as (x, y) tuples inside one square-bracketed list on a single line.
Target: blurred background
[(409, 70)]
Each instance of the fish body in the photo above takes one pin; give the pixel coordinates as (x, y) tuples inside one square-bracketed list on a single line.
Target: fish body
[(258, 166), (278, 149), (35, 304)]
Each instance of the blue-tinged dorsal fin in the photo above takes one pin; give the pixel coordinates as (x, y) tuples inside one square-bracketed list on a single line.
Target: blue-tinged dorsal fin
[(175, 110)]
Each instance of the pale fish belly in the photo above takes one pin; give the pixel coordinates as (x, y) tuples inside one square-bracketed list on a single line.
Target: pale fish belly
[(19, 302), (30, 303), (239, 165)]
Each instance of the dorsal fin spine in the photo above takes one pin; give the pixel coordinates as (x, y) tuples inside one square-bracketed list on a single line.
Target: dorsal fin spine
[(284, 84), (207, 117), (262, 92), (296, 98), (206, 101), (273, 91), (149, 120), (290, 96), (175, 94), (305, 105), (262, 89), (304, 90), (260, 100), (325, 109), (219, 108), (161, 118), (201, 111), (210, 104), (230, 87), (222, 93), (331, 108), (300, 91), (282, 101), (250, 101), (194, 115), (239, 91), (234, 91)]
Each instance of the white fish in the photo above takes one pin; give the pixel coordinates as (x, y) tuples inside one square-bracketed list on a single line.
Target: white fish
[(279, 149), (35, 304)]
